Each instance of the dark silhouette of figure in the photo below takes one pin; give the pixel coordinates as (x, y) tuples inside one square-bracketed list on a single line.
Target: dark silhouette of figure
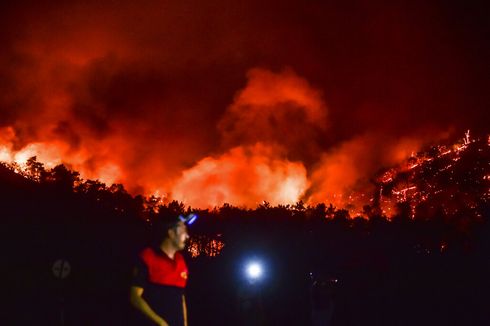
[(160, 276), (322, 303)]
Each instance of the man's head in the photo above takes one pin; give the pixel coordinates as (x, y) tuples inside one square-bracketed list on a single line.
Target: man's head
[(177, 235), (172, 229)]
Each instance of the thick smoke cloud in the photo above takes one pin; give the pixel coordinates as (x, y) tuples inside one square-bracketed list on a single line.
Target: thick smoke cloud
[(244, 176), (276, 108), (151, 94), (272, 117)]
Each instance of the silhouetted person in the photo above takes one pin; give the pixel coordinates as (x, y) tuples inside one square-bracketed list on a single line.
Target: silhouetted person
[(322, 305), (160, 276), (250, 306)]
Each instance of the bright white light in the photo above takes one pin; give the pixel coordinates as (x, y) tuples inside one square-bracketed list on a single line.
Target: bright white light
[(254, 270)]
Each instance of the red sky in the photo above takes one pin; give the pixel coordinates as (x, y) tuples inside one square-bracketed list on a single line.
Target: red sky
[(219, 101)]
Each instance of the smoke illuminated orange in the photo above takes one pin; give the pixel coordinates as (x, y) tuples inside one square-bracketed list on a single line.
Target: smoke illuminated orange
[(249, 105)]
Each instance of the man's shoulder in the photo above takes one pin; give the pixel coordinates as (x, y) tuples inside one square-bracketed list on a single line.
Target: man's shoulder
[(151, 251), (146, 251)]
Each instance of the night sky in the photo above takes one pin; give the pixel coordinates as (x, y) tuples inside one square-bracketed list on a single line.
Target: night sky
[(226, 101)]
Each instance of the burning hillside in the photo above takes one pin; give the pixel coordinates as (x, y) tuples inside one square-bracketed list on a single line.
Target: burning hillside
[(208, 106), (444, 181)]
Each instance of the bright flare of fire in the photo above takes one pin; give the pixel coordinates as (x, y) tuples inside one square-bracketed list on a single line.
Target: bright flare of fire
[(52, 153), (244, 177), (275, 117)]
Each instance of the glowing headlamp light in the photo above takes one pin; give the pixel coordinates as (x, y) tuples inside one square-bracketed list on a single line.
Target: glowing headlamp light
[(189, 219)]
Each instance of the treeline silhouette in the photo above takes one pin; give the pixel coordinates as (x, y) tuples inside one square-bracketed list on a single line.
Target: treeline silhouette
[(406, 270)]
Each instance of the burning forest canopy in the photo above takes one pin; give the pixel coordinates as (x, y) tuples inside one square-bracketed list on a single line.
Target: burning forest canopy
[(449, 182), (212, 102)]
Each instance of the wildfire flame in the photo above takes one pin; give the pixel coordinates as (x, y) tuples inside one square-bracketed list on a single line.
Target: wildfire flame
[(269, 136)]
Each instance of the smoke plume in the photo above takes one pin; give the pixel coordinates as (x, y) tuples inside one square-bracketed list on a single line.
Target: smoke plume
[(215, 101)]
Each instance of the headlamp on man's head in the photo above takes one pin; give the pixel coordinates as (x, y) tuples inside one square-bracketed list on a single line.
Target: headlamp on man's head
[(189, 219)]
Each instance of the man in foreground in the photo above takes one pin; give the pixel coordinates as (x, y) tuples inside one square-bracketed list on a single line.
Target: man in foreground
[(160, 276)]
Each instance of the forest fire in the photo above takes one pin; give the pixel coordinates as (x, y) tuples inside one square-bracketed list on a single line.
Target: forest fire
[(140, 108), (205, 246), (299, 162), (256, 166), (248, 175)]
